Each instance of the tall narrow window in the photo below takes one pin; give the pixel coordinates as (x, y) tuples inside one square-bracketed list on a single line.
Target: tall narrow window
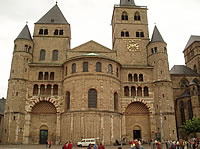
[(35, 90), (66, 70), (127, 34), (139, 91), (73, 68), (92, 98), (110, 69), (137, 16), (122, 34), (41, 32), (135, 77), (42, 54), (117, 72), (124, 16), (146, 91), (115, 101), (56, 32), (45, 31), (126, 91), (140, 77), (98, 67), (42, 89), (67, 100), (52, 76), (182, 112), (85, 66), (40, 76), (46, 76), (190, 109), (130, 77), (55, 55), (133, 91), (55, 89), (48, 92)]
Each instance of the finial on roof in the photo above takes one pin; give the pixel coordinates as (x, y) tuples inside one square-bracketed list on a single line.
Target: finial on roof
[(26, 22), (56, 2)]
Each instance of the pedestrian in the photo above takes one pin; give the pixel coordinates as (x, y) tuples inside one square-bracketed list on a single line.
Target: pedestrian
[(50, 144), (46, 143), (89, 146), (95, 146), (65, 146), (137, 145), (69, 145), (101, 146)]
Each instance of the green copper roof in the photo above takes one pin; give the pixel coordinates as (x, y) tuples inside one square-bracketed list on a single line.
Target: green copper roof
[(25, 34), (156, 37), (127, 3), (53, 16)]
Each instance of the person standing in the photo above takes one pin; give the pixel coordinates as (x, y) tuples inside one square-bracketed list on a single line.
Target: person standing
[(65, 146), (50, 144), (95, 146), (69, 145), (101, 146)]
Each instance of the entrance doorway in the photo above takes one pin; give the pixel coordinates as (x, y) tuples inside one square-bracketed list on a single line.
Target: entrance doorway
[(43, 136), (136, 134)]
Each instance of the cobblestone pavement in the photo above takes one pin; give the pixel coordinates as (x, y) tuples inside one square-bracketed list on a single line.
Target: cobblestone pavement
[(60, 147)]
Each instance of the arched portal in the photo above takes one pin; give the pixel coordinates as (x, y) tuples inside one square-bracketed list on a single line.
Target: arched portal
[(43, 123), (137, 121)]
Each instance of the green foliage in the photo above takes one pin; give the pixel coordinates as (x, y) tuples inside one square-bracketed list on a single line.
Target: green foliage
[(191, 126)]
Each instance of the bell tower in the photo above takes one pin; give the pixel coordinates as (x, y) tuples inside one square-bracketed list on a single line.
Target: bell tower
[(130, 34)]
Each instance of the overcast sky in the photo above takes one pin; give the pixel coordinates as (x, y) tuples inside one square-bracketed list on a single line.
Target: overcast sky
[(176, 20)]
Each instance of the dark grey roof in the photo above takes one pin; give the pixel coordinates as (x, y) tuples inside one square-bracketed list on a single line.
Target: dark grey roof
[(192, 39), (127, 3), (25, 34), (53, 16), (2, 105), (156, 36), (182, 70)]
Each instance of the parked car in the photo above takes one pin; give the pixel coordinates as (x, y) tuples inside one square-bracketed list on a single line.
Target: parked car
[(86, 142)]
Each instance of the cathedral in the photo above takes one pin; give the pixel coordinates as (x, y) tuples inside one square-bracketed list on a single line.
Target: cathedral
[(60, 93)]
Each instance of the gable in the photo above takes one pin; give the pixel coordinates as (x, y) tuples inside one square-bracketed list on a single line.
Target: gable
[(91, 47)]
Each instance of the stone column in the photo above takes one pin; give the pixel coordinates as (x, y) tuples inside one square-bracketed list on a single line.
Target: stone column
[(27, 128), (58, 139)]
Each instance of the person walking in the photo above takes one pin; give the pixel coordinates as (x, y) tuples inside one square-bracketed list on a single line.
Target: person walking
[(50, 144), (69, 145), (65, 146)]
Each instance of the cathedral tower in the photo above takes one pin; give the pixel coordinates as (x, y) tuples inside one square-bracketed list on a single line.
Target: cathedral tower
[(163, 92), (17, 87), (130, 33)]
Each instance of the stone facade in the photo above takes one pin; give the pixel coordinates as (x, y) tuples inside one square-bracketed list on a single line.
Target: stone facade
[(90, 91)]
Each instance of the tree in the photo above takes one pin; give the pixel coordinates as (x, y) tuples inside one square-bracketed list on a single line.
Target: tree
[(191, 126)]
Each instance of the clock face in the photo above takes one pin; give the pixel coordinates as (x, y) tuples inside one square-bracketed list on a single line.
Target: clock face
[(132, 46)]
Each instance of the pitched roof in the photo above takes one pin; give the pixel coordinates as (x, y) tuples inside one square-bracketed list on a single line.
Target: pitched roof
[(156, 36), (25, 34), (192, 39), (53, 16), (182, 70), (127, 3)]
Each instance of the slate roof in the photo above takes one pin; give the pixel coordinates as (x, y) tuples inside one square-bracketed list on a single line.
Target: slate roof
[(127, 3), (53, 16), (156, 36), (192, 39), (25, 34), (182, 70), (2, 106)]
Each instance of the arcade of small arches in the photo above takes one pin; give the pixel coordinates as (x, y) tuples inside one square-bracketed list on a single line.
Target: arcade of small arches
[(139, 91), (45, 90)]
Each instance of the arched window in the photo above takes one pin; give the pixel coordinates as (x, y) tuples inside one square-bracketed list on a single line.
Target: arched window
[(55, 55), (182, 112), (126, 91), (48, 92), (55, 89), (140, 77), (137, 16), (122, 34), (135, 77), (137, 34), (35, 90), (42, 54), (139, 91), (98, 67), (42, 89), (127, 34), (115, 101), (73, 68), (133, 91), (85, 66), (67, 100), (117, 72), (92, 98), (45, 31), (46, 76), (110, 69), (61, 32), (124, 15), (52, 76), (56, 32), (130, 77), (66, 70), (41, 32), (40, 76), (141, 34), (146, 91), (184, 83), (190, 109)]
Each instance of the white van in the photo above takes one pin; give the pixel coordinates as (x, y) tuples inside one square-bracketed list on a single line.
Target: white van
[(86, 142)]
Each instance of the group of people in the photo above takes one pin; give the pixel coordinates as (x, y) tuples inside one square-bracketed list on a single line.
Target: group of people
[(95, 146), (67, 145), (136, 144)]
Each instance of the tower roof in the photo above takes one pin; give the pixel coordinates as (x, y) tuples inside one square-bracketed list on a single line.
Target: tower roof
[(25, 34), (192, 39), (156, 37), (127, 3), (182, 70), (53, 16)]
